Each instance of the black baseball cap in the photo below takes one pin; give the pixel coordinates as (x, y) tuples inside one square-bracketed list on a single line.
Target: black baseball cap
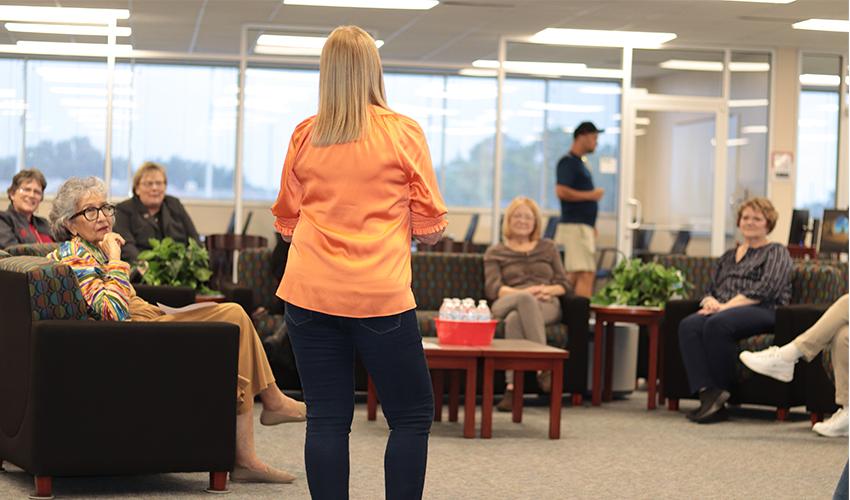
[(586, 128)]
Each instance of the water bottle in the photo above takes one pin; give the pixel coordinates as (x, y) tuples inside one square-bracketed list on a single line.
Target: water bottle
[(468, 309), (456, 310), (482, 312), (445, 309)]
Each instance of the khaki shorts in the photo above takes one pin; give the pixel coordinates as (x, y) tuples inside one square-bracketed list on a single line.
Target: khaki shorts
[(579, 242)]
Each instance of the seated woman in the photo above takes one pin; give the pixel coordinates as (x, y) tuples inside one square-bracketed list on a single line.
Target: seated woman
[(523, 278), (151, 213), (778, 362), (81, 211), (748, 283), (19, 224)]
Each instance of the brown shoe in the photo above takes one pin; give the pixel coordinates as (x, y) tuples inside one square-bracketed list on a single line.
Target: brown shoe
[(268, 417), (507, 402), (544, 380), (270, 475)]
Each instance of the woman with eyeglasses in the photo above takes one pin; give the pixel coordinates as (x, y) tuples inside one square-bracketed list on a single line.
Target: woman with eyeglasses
[(523, 277), (151, 213), (19, 224), (93, 252)]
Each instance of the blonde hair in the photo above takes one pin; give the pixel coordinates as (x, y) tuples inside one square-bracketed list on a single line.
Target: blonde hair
[(350, 79), (146, 168), (517, 202), (762, 205)]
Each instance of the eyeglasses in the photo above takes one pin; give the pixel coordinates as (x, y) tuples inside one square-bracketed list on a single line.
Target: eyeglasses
[(30, 191), (150, 184), (90, 213)]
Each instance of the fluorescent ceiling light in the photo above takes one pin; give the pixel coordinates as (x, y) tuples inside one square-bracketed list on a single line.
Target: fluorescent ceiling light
[(478, 72), (748, 103), (762, 1), (841, 25), (565, 108), (292, 45), (691, 65), (368, 4), (67, 49), (754, 129), (733, 142), (61, 14), (549, 68), (602, 38), (66, 29), (815, 80)]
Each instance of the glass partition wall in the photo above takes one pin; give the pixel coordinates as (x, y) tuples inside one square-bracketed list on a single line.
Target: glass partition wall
[(53, 116)]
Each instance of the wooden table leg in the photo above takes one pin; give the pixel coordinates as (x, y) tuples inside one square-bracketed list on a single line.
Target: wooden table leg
[(371, 400), (469, 399), (608, 392), (555, 399), (596, 399), (653, 366), (437, 381), (487, 400), (454, 394), (516, 404)]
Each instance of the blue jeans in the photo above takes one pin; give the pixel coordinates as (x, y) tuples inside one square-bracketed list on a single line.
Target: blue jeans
[(391, 350), (709, 343)]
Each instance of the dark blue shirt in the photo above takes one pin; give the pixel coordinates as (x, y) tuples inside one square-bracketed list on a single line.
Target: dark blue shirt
[(764, 274), (573, 173)]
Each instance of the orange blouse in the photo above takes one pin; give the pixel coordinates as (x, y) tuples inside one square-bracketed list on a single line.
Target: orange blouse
[(351, 209)]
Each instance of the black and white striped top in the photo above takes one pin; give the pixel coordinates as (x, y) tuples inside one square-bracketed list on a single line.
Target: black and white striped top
[(764, 274)]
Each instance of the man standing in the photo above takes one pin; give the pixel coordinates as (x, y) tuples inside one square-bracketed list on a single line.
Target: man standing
[(579, 206)]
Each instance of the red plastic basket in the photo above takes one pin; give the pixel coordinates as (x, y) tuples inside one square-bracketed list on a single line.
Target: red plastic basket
[(465, 332)]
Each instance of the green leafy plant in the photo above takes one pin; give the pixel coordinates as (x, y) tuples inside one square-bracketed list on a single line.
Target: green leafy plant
[(635, 283), (174, 264)]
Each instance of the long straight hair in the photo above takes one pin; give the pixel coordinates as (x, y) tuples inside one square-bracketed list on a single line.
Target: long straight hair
[(350, 79)]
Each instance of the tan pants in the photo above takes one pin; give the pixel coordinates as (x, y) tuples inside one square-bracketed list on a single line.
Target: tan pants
[(830, 329), (254, 372), (526, 318)]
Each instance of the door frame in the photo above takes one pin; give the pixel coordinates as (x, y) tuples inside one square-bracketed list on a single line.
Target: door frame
[(635, 101)]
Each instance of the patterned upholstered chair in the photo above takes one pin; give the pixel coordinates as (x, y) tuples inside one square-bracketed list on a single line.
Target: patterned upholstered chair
[(814, 286), (83, 397), (34, 249)]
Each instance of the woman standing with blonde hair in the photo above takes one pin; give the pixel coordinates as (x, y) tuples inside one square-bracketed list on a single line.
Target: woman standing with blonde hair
[(357, 184), (524, 277)]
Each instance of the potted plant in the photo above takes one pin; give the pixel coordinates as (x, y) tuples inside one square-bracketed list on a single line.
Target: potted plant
[(643, 284), (171, 263)]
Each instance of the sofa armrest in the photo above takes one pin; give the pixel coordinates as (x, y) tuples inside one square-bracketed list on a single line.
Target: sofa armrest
[(241, 295), (575, 313), (174, 296), (675, 383), (792, 320), (132, 397)]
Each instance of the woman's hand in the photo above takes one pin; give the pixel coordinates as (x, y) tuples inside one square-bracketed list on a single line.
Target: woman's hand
[(111, 245), (540, 292), (710, 306)]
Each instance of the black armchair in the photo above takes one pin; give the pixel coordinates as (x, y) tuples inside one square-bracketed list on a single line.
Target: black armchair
[(87, 397)]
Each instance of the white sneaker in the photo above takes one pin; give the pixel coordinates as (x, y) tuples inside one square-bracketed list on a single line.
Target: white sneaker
[(835, 426), (768, 362)]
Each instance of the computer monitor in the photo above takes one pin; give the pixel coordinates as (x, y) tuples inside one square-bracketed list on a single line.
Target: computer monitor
[(799, 226), (834, 231)]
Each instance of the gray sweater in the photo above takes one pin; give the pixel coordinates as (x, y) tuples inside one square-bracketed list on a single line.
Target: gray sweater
[(506, 267)]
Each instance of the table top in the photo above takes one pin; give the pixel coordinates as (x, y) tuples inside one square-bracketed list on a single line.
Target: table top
[(499, 348), (644, 311)]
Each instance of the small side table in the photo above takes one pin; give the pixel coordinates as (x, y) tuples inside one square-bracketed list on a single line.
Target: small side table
[(606, 317)]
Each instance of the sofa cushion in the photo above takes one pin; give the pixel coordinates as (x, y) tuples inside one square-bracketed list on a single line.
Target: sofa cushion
[(53, 288), (437, 275), (254, 270), (697, 271)]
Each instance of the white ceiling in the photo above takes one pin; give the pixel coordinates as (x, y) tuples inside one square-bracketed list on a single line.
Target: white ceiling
[(460, 31)]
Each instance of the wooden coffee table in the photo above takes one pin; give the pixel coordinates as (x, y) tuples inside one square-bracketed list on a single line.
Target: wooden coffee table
[(521, 355), (606, 317), (441, 358)]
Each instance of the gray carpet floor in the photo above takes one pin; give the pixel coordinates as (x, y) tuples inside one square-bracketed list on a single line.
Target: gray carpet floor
[(620, 450)]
